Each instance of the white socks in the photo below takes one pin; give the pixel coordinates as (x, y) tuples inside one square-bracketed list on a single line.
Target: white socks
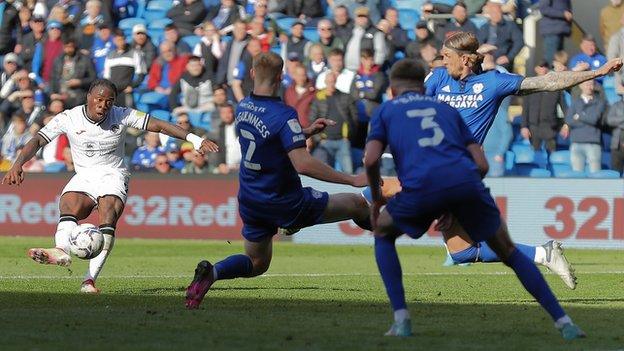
[(401, 315), (563, 320), (540, 255), (63, 230), (96, 263)]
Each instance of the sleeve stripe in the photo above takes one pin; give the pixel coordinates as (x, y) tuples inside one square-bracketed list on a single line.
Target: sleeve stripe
[(146, 120), (44, 136)]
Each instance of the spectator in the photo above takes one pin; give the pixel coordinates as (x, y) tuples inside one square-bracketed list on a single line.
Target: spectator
[(163, 74), (588, 58), (295, 43), (9, 23), (609, 21), (428, 53), (229, 156), (300, 94), (22, 88), (333, 143), (459, 23), (210, 48), (364, 36), (192, 93), (183, 121), (305, 10), (503, 34), (615, 119), (232, 54), (25, 15), (225, 15), (29, 111), (616, 49), (555, 25), (372, 5), (396, 36), (52, 152), (172, 35), (172, 151), (242, 84), (369, 85), (423, 37), (54, 108), (8, 79), (342, 24), (126, 68), (289, 68), (197, 164), (144, 157), (186, 14), (93, 17), (258, 31), (71, 76), (583, 123), (162, 166), (47, 52), (326, 37), (560, 61), (30, 41), (219, 97), (15, 138), (344, 76), (142, 44), (316, 62), (102, 46), (540, 123)]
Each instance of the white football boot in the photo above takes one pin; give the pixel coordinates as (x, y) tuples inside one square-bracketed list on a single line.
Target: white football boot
[(557, 263)]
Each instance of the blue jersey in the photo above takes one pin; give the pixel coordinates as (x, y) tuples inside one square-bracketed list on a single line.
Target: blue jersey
[(427, 140), (268, 129), (477, 97)]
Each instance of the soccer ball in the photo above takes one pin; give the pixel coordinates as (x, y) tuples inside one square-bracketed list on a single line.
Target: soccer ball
[(86, 241)]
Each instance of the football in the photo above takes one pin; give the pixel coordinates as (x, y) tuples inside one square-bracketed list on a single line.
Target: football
[(86, 241)]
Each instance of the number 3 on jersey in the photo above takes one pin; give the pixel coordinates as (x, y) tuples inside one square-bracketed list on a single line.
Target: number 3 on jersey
[(427, 122), (250, 150)]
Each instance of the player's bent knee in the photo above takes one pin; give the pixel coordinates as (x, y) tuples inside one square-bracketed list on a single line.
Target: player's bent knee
[(260, 266)]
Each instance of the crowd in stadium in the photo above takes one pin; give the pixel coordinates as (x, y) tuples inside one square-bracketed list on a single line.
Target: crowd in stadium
[(188, 62)]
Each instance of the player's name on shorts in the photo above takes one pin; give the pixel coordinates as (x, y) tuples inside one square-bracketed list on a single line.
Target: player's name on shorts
[(250, 118)]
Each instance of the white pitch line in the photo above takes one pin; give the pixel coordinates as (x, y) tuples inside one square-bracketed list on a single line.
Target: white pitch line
[(280, 275)]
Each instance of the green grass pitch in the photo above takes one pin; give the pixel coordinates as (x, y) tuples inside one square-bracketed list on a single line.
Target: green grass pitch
[(313, 298)]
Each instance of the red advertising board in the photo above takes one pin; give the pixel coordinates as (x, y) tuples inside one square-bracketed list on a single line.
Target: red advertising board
[(157, 207)]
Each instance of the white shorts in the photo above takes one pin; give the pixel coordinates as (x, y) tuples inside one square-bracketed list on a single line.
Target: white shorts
[(100, 183)]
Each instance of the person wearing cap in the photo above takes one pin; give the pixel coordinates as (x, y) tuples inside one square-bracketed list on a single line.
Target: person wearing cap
[(210, 48), (192, 93), (327, 38), (72, 74), (555, 25), (459, 23), (540, 122), (46, 52), (364, 36), (186, 14), (10, 64), (343, 24), (126, 68), (172, 34), (423, 37), (142, 43), (296, 43), (502, 33), (9, 23), (102, 46), (589, 58), (30, 40)]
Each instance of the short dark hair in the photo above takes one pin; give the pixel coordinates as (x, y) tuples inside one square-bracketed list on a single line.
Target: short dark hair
[(101, 82), (117, 32), (171, 26), (336, 52), (368, 53), (194, 58), (69, 39), (408, 73)]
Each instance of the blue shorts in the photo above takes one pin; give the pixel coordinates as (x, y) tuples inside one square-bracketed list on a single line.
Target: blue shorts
[(470, 203), (258, 224)]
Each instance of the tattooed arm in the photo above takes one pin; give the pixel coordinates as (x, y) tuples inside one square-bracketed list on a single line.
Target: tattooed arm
[(555, 81)]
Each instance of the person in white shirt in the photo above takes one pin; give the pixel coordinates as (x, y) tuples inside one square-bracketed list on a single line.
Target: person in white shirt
[(96, 133)]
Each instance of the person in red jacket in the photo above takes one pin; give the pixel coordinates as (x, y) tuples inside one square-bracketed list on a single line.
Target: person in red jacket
[(166, 70)]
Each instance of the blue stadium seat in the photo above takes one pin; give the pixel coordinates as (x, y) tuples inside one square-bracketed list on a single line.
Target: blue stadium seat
[(571, 174), (479, 21), (192, 40), (605, 173), (311, 34), (285, 23), (560, 168), (54, 167), (541, 158), (560, 157), (156, 9), (202, 120), (524, 153), (155, 35), (160, 23), (126, 24), (608, 84), (510, 160), (407, 4), (445, 2), (161, 114), (408, 17), (277, 49), (539, 173), (524, 169)]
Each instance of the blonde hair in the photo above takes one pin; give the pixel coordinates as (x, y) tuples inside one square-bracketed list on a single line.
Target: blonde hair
[(466, 43), (267, 67)]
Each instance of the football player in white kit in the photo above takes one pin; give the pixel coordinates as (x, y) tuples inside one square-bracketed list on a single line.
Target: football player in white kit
[(96, 133)]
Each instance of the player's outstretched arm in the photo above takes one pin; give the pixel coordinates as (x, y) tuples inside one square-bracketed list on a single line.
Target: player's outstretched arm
[(555, 81), (479, 158), (307, 165), (15, 175), (201, 145), (372, 155)]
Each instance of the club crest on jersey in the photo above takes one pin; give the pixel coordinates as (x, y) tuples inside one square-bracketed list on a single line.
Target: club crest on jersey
[(89, 148), (115, 128), (477, 88)]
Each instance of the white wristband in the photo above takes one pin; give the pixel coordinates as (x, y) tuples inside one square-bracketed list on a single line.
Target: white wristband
[(195, 139)]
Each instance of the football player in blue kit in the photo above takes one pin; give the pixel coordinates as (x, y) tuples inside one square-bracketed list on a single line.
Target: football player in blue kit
[(477, 96), (273, 146), (440, 166)]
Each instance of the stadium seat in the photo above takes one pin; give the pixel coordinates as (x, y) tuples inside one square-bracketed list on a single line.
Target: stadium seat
[(605, 173), (560, 157), (540, 173), (276, 49), (408, 17), (571, 174), (524, 153), (524, 169), (560, 168), (54, 167), (479, 21), (407, 4), (541, 158), (126, 24), (608, 84), (311, 34), (445, 2), (161, 114), (202, 120), (156, 9), (192, 40), (160, 23), (285, 23), (510, 160)]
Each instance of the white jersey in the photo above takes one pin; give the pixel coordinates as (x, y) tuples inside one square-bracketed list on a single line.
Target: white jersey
[(95, 144)]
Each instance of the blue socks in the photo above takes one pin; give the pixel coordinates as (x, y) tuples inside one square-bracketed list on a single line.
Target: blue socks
[(485, 254), (235, 266), (390, 269), (535, 284)]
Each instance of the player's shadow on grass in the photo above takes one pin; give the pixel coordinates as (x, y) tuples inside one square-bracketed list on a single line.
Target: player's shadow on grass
[(345, 322)]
